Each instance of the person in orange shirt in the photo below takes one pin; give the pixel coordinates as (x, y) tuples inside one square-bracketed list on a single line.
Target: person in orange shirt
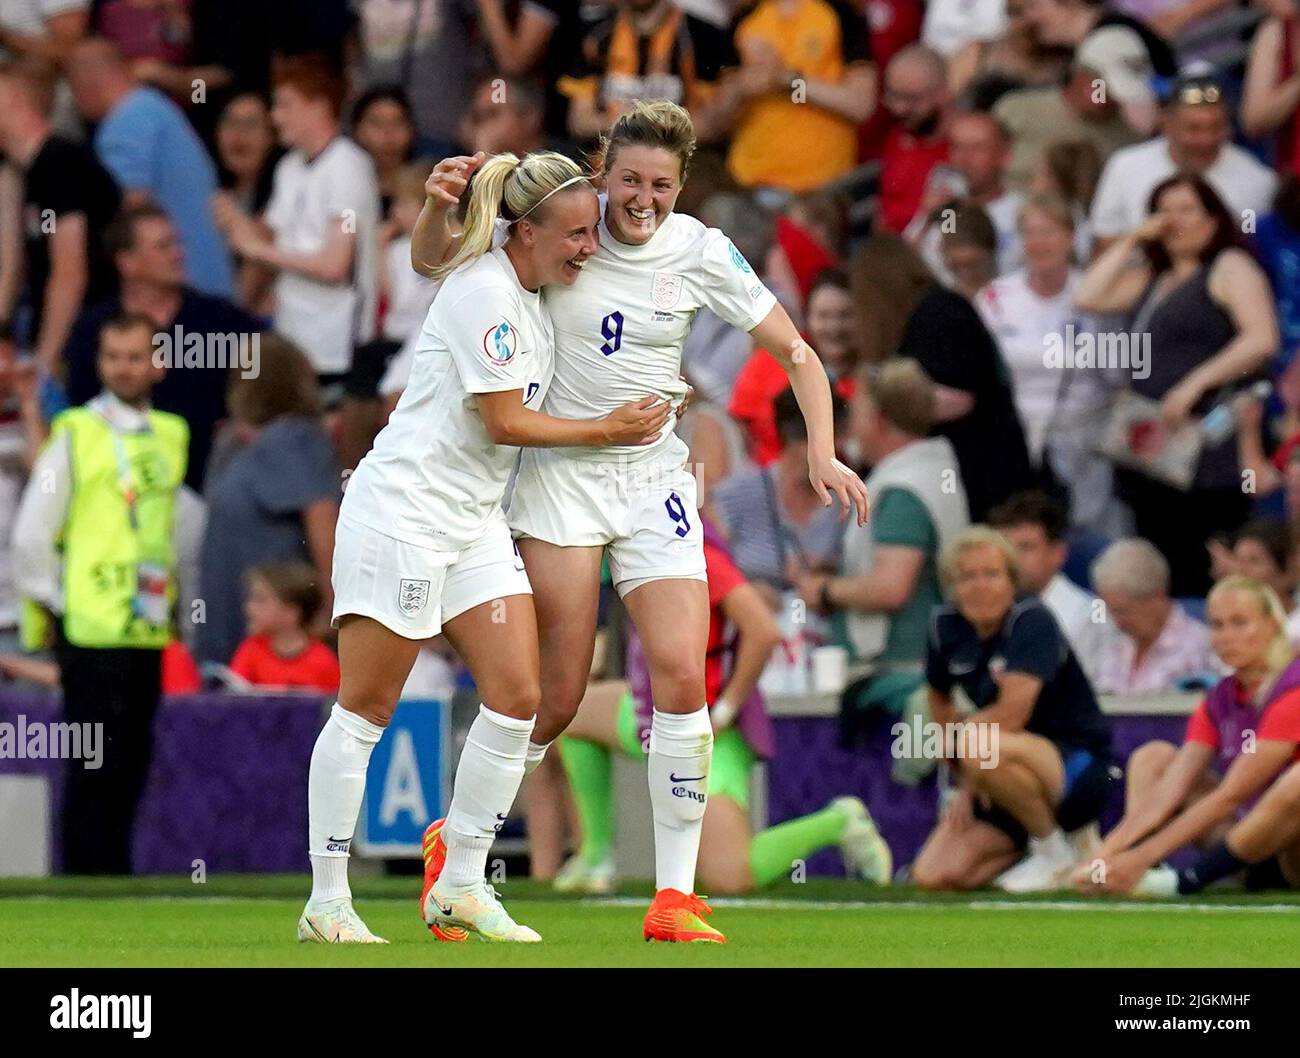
[(805, 83), (646, 49), (279, 652)]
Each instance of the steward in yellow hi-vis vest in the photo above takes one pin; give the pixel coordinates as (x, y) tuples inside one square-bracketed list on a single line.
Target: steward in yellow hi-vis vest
[(94, 552), (118, 558), (119, 561)]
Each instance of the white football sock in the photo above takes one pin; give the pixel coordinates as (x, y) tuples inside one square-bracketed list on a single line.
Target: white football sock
[(535, 754), (487, 780), (681, 747), (336, 784)]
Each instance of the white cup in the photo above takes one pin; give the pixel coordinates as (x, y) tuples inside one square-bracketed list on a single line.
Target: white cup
[(830, 669)]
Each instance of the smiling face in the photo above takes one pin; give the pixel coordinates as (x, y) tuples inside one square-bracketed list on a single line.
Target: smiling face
[(643, 184), (831, 327), (561, 234), (982, 585)]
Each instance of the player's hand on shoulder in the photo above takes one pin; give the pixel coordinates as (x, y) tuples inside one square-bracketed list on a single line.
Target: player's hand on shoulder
[(638, 422), (450, 177)]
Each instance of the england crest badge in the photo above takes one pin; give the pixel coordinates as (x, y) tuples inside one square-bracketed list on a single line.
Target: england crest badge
[(412, 596), (666, 290)]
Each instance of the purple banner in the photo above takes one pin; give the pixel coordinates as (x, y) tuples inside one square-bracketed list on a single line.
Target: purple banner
[(228, 784)]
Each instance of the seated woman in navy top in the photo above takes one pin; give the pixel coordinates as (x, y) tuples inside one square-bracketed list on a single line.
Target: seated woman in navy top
[(1042, 770)]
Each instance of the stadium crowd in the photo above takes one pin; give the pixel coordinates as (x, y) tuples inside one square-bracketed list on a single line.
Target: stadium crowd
[(1048, 250)]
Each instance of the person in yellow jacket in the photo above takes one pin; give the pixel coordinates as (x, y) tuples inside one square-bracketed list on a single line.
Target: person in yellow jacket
[(95, 564)]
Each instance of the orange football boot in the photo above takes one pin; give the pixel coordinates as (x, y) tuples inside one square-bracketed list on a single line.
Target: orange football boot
[(435, 858), (675, 916)]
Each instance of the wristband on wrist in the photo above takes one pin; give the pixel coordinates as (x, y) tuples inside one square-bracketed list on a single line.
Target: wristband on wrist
[(824, 601)]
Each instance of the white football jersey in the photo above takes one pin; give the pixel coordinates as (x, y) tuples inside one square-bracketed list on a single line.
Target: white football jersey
[(434, 477), (620, 328)]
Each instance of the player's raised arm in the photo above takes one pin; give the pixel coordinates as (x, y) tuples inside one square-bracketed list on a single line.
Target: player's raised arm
[(778, 334), (432, 238)]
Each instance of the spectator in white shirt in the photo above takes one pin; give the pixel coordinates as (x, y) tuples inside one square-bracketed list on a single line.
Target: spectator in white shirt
[(1024, 308), (22, 429), (1159, 645), (1028, 313), (1198, 129), (1070, 170), (952, 24), (318, 240), (1034, 524)]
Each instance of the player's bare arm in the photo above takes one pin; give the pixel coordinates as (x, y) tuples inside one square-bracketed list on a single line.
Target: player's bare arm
[(777, 334), (509, 422), (432, 238)]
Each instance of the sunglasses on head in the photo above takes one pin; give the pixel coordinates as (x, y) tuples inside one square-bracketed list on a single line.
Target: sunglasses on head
[(1198, 93)]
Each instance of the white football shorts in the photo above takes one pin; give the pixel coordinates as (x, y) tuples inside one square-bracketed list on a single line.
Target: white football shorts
[(414, 591), (643, 511)]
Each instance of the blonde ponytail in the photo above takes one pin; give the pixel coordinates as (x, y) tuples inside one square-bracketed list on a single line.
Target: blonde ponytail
[(510, 188)]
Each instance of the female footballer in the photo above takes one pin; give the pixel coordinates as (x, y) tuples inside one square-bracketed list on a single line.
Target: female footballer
[(422, 544), (618, 330), (1233, 788)]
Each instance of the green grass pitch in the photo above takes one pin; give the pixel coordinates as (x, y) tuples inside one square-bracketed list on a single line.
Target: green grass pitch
[(249, 920)]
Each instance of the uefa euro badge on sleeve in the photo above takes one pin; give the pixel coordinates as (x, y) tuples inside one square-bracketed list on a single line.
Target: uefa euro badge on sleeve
[(1133, 436), (150, 603)]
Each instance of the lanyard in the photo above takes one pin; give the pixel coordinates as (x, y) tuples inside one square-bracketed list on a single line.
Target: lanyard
[(125, 479)]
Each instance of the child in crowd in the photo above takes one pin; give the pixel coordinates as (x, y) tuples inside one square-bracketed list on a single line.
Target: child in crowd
[(279, 652)]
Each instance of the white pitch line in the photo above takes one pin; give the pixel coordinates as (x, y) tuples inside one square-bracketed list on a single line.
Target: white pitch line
[(757, 903), (764, 904)]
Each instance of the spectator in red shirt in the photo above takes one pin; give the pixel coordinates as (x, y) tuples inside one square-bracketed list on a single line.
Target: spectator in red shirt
[(894, 24), (1238, 768), (915, 94), (279, 652), (832, 326)]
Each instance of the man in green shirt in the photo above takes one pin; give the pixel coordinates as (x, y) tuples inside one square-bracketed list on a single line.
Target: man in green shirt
[(888, 580)]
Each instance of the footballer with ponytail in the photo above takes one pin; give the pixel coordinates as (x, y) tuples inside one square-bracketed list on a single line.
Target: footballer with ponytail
[(514, 190), (422, 546), (620, 328)]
